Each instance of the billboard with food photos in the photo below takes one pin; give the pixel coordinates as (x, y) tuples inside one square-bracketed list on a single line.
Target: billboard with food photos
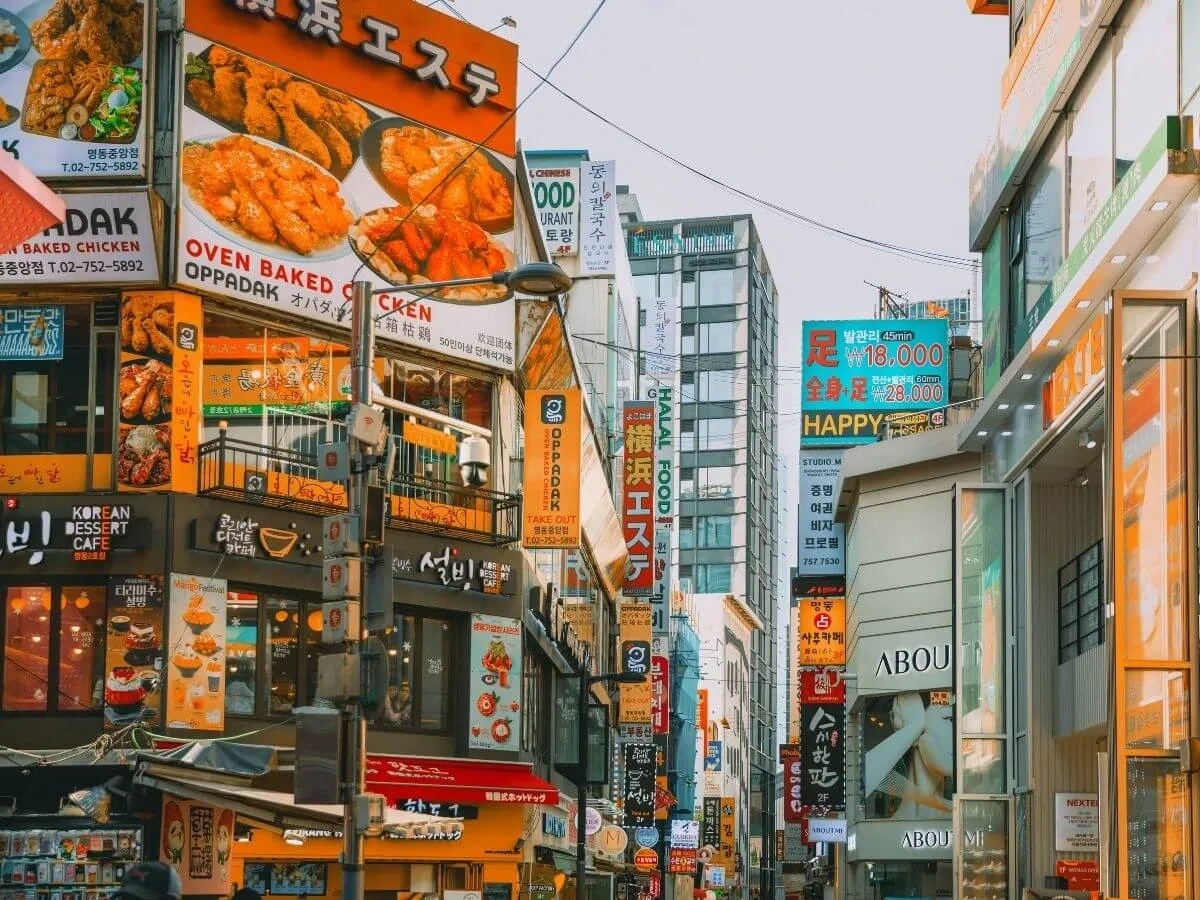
[(159, 392), (553, 444), (72, 78), (133, 651), (346, 149), (196, 661), (495, 694)]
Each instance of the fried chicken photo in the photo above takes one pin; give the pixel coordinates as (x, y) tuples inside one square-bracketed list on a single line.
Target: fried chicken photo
[(98, 31)]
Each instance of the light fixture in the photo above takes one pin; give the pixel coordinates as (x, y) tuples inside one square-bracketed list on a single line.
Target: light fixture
[(294, 839), (1083, 480), (1086, 440), (1026, 376), (1006, 434), (1082, 304), (1053, 342), (542, 279), (242, 838), (1027, 406), (1118, 258), (1159, 205), (1003, 406), (981, 433)]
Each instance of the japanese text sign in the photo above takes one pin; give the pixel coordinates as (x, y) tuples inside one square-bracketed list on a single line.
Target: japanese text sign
[(822, 541), (856, 373), (553, 444), (637, 504), (495, 693), (823, 754), (598, 218), (821, 632), (638, 791), (793, 780), (635, 636)]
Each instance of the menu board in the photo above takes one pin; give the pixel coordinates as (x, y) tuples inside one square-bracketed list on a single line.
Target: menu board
[(196, 663), (133, 656), (72, 78), (495, 682)]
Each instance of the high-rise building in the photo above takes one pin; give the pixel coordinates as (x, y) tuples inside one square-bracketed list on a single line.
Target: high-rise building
[(715, 274), (960, 311)]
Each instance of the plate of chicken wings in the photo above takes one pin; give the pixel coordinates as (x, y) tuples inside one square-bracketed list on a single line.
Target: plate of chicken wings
[(253, 98)]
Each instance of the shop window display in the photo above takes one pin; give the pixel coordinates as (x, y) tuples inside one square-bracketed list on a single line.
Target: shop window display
[(419, 661), (908, 756)]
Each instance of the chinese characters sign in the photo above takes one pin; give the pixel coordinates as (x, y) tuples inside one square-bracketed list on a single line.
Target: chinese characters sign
[(822, 541), (638, 792), (553, 443), (823, 755), (821, 632), (495, 692), (856, 373), (637, 504), (636, 699), (598, 215), (31, 332), (556, 198)]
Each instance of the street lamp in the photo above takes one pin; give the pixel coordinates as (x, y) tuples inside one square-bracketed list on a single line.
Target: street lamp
[(540, 279), (581, 783)]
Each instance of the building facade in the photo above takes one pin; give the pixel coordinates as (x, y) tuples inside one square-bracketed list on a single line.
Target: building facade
[(1077, 557), (714, 274)]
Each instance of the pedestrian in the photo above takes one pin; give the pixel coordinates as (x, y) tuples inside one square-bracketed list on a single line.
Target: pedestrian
[(150, 881), (247, 893)]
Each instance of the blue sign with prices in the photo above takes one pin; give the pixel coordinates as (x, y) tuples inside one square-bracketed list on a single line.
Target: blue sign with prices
[(31, 332), (858, 372), (712, 757)]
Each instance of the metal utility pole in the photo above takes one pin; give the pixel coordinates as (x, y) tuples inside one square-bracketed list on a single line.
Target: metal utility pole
[(581, 786)]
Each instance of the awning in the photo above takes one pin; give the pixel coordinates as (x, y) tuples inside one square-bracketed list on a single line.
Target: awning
[(440, 780), (275, 810)]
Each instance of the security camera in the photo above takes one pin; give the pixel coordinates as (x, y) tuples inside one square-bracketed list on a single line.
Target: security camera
[(474, 460)]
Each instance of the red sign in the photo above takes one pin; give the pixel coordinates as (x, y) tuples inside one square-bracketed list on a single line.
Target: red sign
[(1081, 874), (456, 780), (822, 685), (646, 860), (637, 498), (789, 758), (656, 883), (681, 861), (660, 699)]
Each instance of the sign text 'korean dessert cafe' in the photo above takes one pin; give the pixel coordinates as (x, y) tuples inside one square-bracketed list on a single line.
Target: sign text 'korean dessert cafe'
[(372, 141)]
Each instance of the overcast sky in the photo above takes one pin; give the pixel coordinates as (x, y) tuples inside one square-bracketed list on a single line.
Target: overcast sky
[(865, 114)]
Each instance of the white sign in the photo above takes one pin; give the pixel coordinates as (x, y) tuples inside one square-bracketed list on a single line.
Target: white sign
[(716, 875), (106, 238), (1077, 823), (685, 834), (793, 842), (593, 821), (556, 198), (99, 129), (598, 225), (308, 273), (660, 338), (827, 831), (822, 541)]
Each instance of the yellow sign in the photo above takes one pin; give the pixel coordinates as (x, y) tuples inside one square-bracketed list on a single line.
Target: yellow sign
[(821, 632), (553, 444), (635, 657), (728, 831), (430, 439)]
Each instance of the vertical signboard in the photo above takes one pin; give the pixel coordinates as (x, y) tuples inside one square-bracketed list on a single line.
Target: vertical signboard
[(197, 840), (728, 848), (793, 779), (553, 444), (133, 651), (822, 541), (637, 503), (712, 822), (196, 664), (660, 339), (660, 684), (857, 373), (638, 784), (823, 754), (821, 631), (495, 691), (634, 626), (556, 199), (598, 218)]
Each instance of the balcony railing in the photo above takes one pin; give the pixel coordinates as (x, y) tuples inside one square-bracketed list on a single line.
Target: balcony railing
[(245, 471)]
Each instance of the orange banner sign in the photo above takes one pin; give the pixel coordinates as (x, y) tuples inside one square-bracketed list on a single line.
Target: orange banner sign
[(821, 632), (553, 444)]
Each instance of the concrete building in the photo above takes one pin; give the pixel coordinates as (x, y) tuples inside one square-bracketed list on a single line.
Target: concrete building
[(715, 275)]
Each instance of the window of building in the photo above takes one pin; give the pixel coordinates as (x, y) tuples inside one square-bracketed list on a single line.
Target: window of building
[(420, 661), (708, 337), (1044, 232), (715, 386), (1080, 604), (687, 434), (1189, 50), (263, 659), (714, 578), (716, 434), (714, 482), (688, 294), (716, 287), (1089, 146), (54, 645), (687, 484), (701, 532), (1146, 79)]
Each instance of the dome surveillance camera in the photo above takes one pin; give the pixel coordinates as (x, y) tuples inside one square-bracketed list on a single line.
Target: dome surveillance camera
[(474, 460)]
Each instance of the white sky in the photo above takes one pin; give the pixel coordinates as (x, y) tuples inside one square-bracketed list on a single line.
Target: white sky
[(865, 114)]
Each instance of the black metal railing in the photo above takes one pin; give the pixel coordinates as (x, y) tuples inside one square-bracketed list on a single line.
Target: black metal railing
[(249, 472)]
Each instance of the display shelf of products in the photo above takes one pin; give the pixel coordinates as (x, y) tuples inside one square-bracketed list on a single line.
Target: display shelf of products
[(66, 864)]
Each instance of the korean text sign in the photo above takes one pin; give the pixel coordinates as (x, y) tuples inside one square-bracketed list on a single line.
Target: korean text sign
[(660, 685), (823, 754), (636, 699), (728, 830), (821, 632), (712, 822), (365, 84), (598, 218), (553, 444), (638, 765), (856, 373), (31, 332), (822, 540), (556, 199), (637, 503), (793, 780), (495, 692)]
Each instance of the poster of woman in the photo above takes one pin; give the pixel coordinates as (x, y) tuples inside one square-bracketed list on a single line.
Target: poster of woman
[(908, 760)]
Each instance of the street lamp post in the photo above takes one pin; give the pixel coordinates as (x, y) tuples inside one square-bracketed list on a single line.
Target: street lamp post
[(581, 783), (539, 279)]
